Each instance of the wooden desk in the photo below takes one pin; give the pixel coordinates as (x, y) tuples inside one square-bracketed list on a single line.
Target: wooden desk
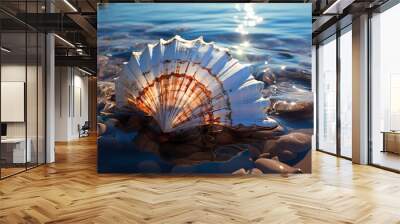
[(391, 141), (16, 147)]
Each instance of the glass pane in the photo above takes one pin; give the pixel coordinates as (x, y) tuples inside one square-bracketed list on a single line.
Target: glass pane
[(13, 85), (31, 97), (327, 97), (385, 84), (41, 98), (346, 94), (314, 87)]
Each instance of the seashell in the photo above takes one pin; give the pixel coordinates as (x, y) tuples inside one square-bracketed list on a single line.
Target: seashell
[(188, 83)]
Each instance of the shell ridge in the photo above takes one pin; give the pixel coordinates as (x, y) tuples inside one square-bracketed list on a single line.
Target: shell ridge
[(188, 83)]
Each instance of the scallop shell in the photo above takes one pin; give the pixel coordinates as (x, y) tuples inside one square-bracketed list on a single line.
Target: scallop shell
[(188, 83)]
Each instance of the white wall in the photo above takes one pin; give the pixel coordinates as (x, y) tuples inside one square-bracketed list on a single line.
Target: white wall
[(71, 102), (14, 73)]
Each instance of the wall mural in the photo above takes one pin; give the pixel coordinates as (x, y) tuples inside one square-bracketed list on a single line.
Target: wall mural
[(204, 88)]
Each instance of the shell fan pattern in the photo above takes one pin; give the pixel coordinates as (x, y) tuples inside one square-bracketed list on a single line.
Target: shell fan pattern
[(188, 83)]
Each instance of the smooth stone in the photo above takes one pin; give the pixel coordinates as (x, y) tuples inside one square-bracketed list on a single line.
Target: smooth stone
[(296, 73), (256, 171), (269, 147), (145, 144), (106, 97), (296, 142), (286, 155), (297, 109), (110, 68), (240, 172), (268, 77), (268, 124), (273, 166), (224, 138), (266, 155), (101, 129)]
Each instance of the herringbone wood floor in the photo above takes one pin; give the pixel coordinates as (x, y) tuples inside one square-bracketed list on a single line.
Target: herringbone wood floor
[(70, 191)]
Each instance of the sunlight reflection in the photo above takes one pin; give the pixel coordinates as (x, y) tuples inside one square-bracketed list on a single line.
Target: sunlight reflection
[(249, 19), (245, 44)]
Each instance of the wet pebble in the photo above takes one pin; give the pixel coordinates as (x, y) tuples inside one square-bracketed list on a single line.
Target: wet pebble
[(268, 77), (294, 108), (224, 137), (286, 155), (101, 129), (240, 172), (296, 142), (145, 143), (256, 171), (274, 166), (266, 155)]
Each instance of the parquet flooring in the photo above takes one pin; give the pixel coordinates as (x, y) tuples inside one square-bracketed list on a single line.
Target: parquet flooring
[(71, 191)]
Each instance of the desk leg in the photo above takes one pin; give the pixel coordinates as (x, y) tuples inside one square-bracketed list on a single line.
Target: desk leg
[(384, 142)]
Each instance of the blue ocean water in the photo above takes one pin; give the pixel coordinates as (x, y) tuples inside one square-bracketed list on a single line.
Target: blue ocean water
[(264, 35)]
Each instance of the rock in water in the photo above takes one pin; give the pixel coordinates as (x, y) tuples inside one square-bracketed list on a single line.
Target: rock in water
[(286, 155), (269, 77), (256, 171), (189, 83), (274, 166), (296, 142), (294, 109), (101, 129), (240, 172), (145, 143), (224, 138)]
